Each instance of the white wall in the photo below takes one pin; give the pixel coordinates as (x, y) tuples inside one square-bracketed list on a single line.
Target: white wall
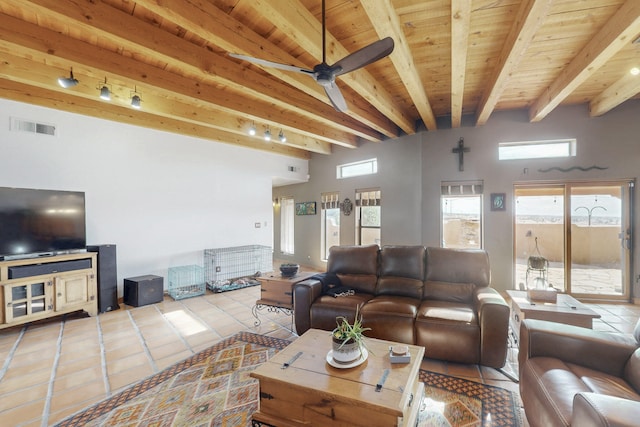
[(161, 198)]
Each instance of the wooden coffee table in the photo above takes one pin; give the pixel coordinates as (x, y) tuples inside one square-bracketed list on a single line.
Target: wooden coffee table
[(566, 310), (311, 392)]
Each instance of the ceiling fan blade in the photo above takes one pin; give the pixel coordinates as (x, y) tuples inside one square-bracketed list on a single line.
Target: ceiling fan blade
[(336, 98), (271, 64), (364, 56)]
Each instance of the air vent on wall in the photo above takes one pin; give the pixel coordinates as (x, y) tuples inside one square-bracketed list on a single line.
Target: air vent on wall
[(22, 125)]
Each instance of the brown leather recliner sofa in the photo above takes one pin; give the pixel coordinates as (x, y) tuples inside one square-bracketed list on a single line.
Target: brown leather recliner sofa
[(433, 297), (572, 376)]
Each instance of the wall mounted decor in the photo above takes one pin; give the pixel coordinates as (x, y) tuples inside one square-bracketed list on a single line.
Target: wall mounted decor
[(580, 168), (346, 206), (498, 201), (306, 208)]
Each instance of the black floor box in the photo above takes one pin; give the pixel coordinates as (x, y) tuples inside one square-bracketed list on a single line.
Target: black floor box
[(143, 290)]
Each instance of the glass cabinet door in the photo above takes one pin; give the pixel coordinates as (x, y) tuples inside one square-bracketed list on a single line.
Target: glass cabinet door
[(27, 298)]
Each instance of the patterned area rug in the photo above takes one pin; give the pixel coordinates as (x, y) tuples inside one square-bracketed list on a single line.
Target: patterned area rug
[(213, 388)]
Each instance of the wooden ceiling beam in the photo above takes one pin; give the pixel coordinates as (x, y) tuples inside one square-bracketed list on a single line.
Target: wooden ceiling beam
[(385, 21), (460, 24), (207, 21), (18, 36), (625, 88), (35, 71), (620, 30), (529, 19), (319, 120), (66, 102)]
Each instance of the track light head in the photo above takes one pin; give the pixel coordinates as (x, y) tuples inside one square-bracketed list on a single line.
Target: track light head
[(252, 129), (282, 137), (135, 101), (105, 92), (267, 135), (67, 82)]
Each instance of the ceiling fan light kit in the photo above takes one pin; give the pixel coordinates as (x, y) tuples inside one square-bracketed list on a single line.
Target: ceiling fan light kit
[(325, 74)]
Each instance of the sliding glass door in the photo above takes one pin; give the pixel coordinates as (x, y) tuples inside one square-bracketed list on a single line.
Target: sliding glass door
[(579, 233)]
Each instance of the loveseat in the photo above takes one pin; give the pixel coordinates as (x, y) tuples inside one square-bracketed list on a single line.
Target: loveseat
[(572, 376), (433, 297)]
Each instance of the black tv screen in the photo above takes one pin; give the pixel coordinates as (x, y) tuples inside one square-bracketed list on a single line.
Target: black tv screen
[(34, 222)]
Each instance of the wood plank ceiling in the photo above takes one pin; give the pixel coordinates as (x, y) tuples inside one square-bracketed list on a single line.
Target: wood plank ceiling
[(452, 58)]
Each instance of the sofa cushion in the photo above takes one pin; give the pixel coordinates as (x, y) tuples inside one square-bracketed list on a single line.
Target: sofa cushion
[(458, 266), (391, 317), (447, 291), (599, 382), (355, 266), (401, 271), (448, 331), (326, 308)]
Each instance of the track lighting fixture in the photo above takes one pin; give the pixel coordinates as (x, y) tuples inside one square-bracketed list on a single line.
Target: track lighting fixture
[(267, 135), (282, 137), (252, 129), (135, 99), (105, 92), (67, 82), (135, 102)]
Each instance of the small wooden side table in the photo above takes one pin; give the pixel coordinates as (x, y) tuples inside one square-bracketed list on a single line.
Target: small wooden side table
[(566, 309), (276, 293)]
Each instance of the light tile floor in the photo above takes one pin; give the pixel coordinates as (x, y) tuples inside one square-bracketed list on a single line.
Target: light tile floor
[(53, 369)]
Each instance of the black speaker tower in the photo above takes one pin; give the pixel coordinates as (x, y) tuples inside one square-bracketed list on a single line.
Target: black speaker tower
[(107, 277)]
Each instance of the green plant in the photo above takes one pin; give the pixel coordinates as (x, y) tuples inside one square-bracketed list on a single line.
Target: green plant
[(346, 332)]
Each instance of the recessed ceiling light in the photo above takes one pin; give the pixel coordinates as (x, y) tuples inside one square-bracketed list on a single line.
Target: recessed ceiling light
[(635, 71)]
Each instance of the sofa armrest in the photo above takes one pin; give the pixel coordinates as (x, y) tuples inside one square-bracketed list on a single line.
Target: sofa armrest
[(304, 294), (595, 410), (602, 351), (493, 318)]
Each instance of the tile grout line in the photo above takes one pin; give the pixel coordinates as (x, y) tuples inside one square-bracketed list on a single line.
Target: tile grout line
[(13, 350), (52, 378), (174, 329), (145, 348), (103, 358)]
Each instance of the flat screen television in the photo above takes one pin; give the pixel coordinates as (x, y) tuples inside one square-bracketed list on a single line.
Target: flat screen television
[(41, 222)]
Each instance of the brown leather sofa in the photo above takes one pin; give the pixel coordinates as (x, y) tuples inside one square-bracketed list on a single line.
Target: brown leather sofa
[(433, 297), (571, 376)]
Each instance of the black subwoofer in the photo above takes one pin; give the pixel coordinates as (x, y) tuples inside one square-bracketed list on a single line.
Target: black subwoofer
[(107, 277), (143, 290)]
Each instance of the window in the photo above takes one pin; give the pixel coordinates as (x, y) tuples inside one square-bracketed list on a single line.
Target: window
[(368, 217), (461, 213), (287, 214), (536, 149), (330, 228), (364, 167)]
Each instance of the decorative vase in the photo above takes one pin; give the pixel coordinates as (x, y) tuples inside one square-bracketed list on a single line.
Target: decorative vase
[(347, 352)]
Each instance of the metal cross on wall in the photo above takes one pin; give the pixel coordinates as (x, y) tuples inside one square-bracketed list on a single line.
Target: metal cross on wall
[(460, 150)]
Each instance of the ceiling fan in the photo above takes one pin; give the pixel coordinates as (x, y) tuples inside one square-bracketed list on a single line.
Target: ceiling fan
[(326, 74)]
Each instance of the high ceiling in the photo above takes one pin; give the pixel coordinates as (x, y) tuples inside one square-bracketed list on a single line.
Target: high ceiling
[(451, 58)]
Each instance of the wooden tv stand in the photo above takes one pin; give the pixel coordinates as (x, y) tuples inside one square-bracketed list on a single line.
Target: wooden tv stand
[(38, 288)]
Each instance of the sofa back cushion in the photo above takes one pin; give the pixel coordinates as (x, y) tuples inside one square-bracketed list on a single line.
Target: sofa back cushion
[(355, 266), (453, 274), (401, 271)]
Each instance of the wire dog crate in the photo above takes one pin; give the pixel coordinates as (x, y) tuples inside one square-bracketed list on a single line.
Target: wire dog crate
[(223, 265), (186, 281)]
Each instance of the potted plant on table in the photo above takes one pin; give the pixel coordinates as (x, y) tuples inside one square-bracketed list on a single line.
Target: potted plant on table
[(348, 339)]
